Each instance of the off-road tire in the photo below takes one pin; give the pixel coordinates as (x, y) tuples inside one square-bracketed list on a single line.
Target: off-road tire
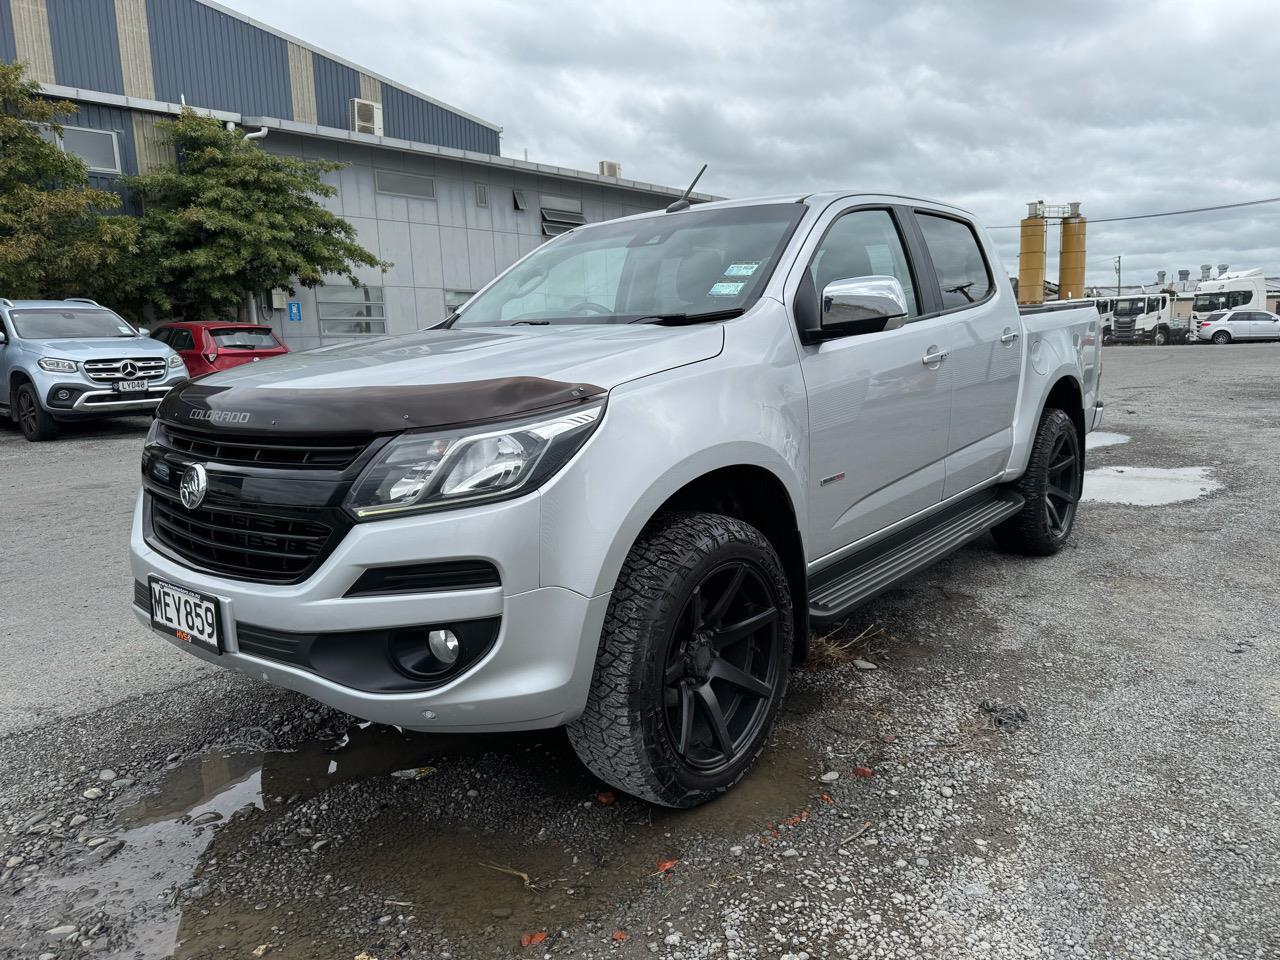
[(1029, 531), (35, 421), (621, 736), (1221, 337)]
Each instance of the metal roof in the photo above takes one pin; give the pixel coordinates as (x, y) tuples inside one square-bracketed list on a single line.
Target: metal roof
[(347, 63)]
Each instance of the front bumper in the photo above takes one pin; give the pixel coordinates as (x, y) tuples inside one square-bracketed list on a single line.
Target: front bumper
[(536, 674), (1097, 415), (68, 397)]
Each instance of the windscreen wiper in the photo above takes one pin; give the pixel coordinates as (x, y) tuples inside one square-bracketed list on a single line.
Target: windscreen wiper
[(680, 319)]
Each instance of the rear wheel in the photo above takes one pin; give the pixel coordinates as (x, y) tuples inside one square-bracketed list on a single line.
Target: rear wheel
[(1051, 489), (693, 661), (36, 422), (1222, 337)]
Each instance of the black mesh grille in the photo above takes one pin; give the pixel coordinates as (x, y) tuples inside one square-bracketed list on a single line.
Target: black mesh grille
[(141, 595), (308, 454), (253, 546)]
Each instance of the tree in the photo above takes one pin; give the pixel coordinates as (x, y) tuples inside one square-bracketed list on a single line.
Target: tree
[(231, 219), (55, 237)]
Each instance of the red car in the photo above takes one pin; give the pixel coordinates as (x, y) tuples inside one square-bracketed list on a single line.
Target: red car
[(206, 346)]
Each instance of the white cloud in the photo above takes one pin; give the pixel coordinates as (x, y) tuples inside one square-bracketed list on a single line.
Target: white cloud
[(1127, 108)]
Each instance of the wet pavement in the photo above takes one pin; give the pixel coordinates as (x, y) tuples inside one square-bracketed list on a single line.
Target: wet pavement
[(1006, 757)]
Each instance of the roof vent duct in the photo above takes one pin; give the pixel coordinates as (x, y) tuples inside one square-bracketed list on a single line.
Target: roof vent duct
[(610, 168), (1223, 268), (1160, 275), (1184, 275), (1206, 270)]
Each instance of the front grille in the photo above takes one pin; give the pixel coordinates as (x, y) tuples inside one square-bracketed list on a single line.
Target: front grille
[(145, 368), (309, 454), (1123, 328), (249, 545)]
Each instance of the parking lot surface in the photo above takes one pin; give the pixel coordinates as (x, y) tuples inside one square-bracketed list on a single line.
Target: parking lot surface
[(1064, 757)]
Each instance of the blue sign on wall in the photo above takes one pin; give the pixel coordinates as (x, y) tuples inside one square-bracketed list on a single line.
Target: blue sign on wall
[(295, 311)]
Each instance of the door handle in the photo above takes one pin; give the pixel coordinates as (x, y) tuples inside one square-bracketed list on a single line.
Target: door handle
[(937, 356), (1008, 336)]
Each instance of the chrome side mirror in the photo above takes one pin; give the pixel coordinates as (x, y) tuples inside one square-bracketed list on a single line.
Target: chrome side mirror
[(863, 305), (4, 338)]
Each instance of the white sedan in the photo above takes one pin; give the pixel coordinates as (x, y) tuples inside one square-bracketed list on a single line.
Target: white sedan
[(1226, 326)]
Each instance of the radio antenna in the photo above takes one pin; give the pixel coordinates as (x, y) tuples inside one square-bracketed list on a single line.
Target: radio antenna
[(683, 203)]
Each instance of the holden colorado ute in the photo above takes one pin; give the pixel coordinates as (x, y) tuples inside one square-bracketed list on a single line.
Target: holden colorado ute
[(617, 489)]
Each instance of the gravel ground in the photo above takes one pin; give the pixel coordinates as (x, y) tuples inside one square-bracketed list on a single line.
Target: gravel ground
[(1072, 757)]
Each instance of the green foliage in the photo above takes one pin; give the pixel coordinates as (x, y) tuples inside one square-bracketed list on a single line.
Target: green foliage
[(55, 239), (234, 218)]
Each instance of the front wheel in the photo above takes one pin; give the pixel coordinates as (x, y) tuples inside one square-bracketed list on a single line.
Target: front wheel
[(1159, 338), (36, 422), (693, 661), (1050, 488), (1221, 337)]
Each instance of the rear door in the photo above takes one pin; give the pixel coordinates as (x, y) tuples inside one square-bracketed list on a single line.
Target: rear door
[(1240, 324), (879, 402), (985, 332)]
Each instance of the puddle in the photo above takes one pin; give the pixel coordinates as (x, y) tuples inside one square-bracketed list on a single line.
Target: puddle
[(1148, 486), (1101, 438), (299, 856)]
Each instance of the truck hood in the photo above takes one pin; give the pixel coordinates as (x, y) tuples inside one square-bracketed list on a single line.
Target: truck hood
[(434, 378), (100, 348)]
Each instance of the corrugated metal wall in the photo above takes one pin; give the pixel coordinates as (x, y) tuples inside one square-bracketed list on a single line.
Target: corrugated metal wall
[(217, 61), (336, 84), (407, 117), (8, 48), (86, 46)]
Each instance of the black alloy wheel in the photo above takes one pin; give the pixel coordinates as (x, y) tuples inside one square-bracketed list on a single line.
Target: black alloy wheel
[(36, 422), (1063, 490), (722, 667)]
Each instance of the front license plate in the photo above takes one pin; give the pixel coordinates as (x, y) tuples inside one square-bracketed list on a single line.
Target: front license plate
[(191, 617), (129, 386)]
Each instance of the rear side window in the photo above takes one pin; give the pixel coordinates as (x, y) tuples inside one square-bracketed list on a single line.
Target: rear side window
[(233, 338), (180, 339), (962, 270)]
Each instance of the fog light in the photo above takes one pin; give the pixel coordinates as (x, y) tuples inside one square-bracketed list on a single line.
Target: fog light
[(444, 646), (64, 394)]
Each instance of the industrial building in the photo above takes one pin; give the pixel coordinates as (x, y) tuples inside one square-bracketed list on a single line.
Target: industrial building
[(425, 184)]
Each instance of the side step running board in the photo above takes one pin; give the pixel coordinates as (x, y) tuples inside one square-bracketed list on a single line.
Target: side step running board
[(831, 597)]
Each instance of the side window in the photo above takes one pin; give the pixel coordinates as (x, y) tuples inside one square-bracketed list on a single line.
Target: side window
[(181, 339), (863, 243), (162, 334), (962, 269)]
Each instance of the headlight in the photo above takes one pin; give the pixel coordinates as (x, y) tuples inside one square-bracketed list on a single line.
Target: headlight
[(174, 362), (54, 365), (433, 471)]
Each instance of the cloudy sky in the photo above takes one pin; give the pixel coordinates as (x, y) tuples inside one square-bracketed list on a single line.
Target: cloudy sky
[(1128, 108)]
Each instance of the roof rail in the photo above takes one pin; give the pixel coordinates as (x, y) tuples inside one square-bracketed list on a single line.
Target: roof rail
[(81, 300), (5, 302)]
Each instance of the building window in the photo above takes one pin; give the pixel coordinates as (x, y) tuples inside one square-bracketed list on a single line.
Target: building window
[(404, 184), (453, 299), (99, 149), (347, 311), (560, 215), (517, 197), (482, 195)]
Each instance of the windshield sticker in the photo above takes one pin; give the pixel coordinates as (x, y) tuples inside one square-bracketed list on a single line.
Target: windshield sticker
[(742, 269), (724, 289), (123, 329)]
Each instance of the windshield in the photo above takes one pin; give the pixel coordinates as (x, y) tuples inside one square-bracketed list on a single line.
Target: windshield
[(240, 338), (1130, 308), (681, 266), (68, 324)]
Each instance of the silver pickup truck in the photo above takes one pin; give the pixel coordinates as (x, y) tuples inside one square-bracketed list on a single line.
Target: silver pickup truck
[(618, 488)]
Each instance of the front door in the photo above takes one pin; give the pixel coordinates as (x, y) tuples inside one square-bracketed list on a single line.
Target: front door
[(986, 354), (879, 403), (1264, 326)]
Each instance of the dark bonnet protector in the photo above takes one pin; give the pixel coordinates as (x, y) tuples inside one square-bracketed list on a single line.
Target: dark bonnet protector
[(365, 411)]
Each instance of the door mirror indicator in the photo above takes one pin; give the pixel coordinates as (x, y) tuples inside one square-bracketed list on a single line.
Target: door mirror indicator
[(861, 305)]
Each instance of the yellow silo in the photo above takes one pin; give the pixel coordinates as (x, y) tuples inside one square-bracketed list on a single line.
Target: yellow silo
[(1071, 256)]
